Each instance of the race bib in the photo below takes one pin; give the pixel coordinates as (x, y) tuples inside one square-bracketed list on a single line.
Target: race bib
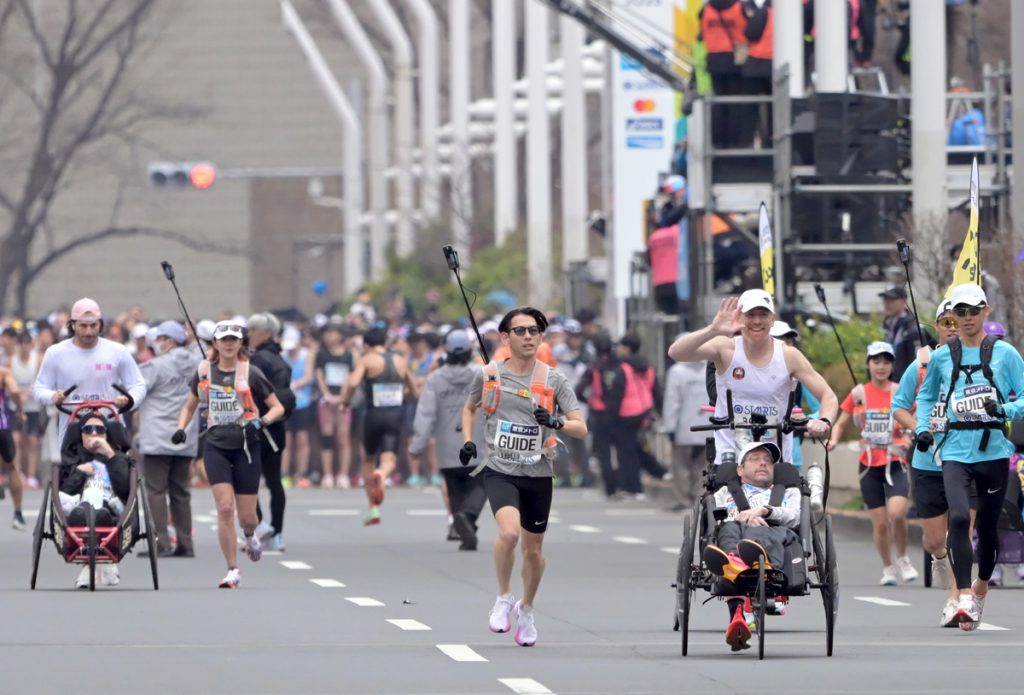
[(513, 438), (335, 373), (387, 395), (970, 404), (97, 487), (937, 420), (225, 408), (877, 431)]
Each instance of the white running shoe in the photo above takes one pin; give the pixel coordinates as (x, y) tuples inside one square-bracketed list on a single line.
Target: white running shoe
[(948, 613), (997, 576), (501, 614), (263, 530), (108, 575), (906, 569), (277, 543), (253, 548), (941, 572), (968, 612), (888, 576), (231, 580), (526, 629), (83, 579)]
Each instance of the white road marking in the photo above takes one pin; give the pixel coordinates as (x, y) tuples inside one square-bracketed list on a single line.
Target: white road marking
[(524, 686), (204, 519), (214, 527), (295, 565), (328, 583), (333, 512), (406, 624), (669, 549), (880, 601), (630, 512), (460, 652), (990, 626), (630, 540), (30, 512), (426, 512), (363, 601), (584, 529), (273, 553)]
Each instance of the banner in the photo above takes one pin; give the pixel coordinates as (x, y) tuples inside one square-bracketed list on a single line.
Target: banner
[(764, 238), (968, 265)]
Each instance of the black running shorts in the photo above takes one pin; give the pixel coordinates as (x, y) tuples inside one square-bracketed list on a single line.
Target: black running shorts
[(7, 449), (531, 496), (930, 494), (231, 466), (875, 490), (381, 430)]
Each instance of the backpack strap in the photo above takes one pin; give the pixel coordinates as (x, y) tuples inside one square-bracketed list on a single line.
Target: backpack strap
[(987, 348), (778, 494), (956, 354)]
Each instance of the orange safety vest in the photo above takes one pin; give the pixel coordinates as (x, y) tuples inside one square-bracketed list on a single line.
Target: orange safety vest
[(596, 399), (723, 31), (663, 246), (241, 387), (762, 48), (638, 396)]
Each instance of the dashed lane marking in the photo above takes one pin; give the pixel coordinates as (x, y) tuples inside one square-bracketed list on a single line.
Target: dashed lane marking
[(460, 652), (630, 540), (880, 601), (204, 519), (426, 512), (630, 512), (524, 686), (990, 626), (328, 583), (363, 601), (669, 549), (333, 512), (295, 565), (584, 529), (407, 624)]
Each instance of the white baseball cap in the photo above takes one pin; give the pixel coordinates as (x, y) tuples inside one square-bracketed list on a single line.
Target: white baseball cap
[(756, 299), (225, 329), (880, 348), (291, 338), (772, 448), (140, 330), (969, 294), (780, 329), (204, 330), (944, 306)]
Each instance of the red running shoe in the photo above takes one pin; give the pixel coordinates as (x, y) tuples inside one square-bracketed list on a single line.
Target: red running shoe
[(378, 488), (737, 635)]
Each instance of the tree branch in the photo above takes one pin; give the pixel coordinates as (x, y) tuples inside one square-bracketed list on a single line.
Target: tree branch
[(128, 25), (37, 35)]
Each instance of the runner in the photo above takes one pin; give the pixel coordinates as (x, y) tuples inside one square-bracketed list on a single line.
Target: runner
[(386, 378), (8, 450), (333, 364), (226, 388), (975, 449), (521, 399), (758, 369), (25, 365), (882, 468), (925, 472)]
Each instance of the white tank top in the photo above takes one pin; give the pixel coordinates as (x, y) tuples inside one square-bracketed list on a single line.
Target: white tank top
[(25, 375), (754, 390)]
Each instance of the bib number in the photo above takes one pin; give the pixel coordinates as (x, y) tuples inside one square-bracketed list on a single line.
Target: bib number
[(515, 441), (970, 405), (225, 408), (335, 373), (937, 420), (877, 428), (97, 487), (387, 395)]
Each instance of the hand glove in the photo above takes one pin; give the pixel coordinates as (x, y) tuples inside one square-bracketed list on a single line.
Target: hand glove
[(925, 441), (178, 437), (994, 409), (546, 419), (467, 453)]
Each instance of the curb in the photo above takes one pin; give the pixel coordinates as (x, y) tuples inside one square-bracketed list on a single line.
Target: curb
[(858, 524)]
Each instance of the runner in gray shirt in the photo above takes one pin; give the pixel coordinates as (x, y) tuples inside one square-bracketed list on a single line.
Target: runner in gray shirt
[(522, 399)]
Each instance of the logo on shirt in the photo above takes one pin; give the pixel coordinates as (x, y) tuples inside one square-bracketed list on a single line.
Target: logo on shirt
[(738, 373)]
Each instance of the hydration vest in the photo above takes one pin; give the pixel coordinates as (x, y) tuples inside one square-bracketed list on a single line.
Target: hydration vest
[(240, 387), (638, 397), (985, 367), (540, 393), (896, 441)]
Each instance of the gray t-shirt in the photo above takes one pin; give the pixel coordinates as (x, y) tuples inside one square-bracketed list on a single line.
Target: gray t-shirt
[(512, 432)]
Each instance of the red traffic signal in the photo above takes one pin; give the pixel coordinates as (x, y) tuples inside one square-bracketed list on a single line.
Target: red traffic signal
[(203, 175), (198, 175)]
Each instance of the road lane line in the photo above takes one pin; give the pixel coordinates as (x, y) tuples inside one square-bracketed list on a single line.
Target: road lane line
[(584, 529), (524, 686), (669, 549), (460, 652), (328, 583), (333, 512), (363, 601), (630, 512), (427, 512), (630, 540), (880, 601), (990, 626), (407, 624), (295, 565), (204, 519)]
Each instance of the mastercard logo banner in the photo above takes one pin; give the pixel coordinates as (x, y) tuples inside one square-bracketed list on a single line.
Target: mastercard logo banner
[(645, 105)]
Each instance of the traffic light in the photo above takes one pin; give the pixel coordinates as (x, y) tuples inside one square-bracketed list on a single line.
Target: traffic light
[(198, 175)]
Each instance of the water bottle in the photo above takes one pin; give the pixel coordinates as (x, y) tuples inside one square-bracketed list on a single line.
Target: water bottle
[(816, 481), (728, 458)]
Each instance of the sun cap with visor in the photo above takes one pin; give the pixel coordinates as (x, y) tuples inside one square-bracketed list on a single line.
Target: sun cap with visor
[(457, 341), (968, 294), (945, 306), (772, 448), (756, 299), (894, 292), (86, 309), (172, 330), (781, 329), (880, 347), (228, 329)]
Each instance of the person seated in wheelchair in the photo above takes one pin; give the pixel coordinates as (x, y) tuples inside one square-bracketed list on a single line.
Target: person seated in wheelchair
[(93, 473), (756, 529)]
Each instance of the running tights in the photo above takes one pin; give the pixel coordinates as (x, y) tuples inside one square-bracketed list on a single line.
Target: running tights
[(271, 463), (990, 478)]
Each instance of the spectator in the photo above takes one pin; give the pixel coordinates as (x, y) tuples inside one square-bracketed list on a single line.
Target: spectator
[(900, 328), (723, 25), (596, 385), (684, 397)]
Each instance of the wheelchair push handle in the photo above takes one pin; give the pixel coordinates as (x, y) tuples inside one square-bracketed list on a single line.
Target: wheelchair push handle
[(97, 405), (62, 408)]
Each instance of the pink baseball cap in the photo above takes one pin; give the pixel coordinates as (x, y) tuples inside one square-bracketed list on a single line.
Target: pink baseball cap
[(85, 308)]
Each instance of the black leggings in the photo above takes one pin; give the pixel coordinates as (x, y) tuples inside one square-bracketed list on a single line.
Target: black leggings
[(271, 464), (990, 478)]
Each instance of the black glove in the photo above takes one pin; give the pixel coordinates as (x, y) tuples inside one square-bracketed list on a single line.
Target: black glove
[(178, 437), (546, 419), (925, 441), (467, 453), (994, 409)]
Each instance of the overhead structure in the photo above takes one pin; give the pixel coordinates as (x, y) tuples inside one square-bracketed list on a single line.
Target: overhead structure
[(506, 181), (831, 45), (461, 163), (788, 42), (538, 158), (428, 58), (574, 144)]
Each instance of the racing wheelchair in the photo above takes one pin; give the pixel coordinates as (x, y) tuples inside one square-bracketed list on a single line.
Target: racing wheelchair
[(809, 563), (90, 544)]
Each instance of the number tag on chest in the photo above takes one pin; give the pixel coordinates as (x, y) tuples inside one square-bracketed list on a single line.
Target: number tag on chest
[(387, 395), (225, 408), (970, 405), (335, 373), (517, 438), (877, 428)]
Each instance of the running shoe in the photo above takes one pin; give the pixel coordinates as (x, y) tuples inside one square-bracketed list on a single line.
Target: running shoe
[(372, 517), (108, 575), (303, 483), (33, 482), (737, 635), (906, 569), (501, 613), (83, 579), (888, 576), (526, 628), (941, 572), (997, 576), (342, 482), (437, 480), (415, 481), (18, 522), (327, 482), (751, 553), (277, 543), (1020, 571), (968, 612), (287, 482), (253, 548), (263, 530), (723, 564), (467, 533), (231, 580), (948, 613), (377, 489)]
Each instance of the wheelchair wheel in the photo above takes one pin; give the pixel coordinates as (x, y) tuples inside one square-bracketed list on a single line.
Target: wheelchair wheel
[(38, 534), (150, 533), (90, 518), (927, 569), (684, 576), (830, 588), (762, 605)]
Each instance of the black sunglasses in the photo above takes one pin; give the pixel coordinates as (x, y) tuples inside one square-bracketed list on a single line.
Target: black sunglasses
[(523, 330), (94, 429), (962, 310)]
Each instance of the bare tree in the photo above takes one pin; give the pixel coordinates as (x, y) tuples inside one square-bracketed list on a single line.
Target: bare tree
[(64, 95)]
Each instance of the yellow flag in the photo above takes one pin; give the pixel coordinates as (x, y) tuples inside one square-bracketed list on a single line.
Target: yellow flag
[(968, 265), (767, 252)]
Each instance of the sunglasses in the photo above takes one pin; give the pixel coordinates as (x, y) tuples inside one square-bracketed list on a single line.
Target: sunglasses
[(968, 310), (520, 331), (948, 323), (94, 429)]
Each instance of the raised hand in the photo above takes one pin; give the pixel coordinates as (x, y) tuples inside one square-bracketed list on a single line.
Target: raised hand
[(729, 319)]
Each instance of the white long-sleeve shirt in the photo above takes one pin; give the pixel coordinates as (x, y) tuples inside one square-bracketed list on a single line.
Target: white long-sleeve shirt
[(788, 514), (93, 372)]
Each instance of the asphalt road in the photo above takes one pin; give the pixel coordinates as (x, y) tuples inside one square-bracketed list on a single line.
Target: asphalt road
[(396, 609)]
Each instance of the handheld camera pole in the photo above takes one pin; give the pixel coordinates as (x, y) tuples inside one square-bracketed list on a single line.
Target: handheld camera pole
[(169, 274), (452, 257), (904, 249), (818, 290)]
